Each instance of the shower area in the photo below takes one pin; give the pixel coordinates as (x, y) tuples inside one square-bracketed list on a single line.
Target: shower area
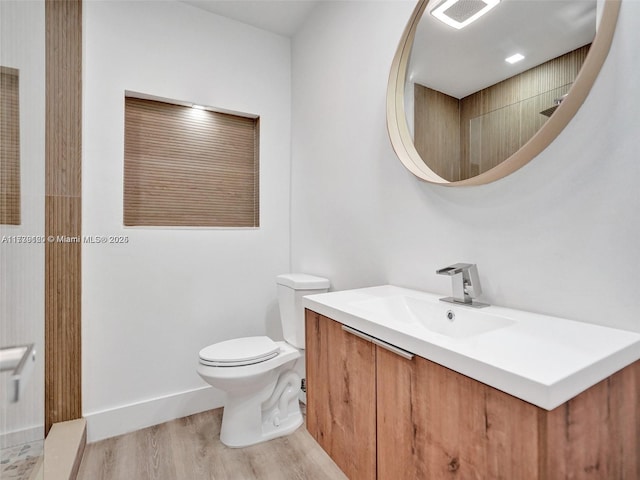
[(22, 237)]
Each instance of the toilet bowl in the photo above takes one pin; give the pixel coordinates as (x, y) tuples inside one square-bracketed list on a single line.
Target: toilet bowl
[(259, 375)]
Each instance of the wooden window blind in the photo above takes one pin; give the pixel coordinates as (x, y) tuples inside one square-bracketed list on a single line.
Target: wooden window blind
[(189, 167), (9, 147)]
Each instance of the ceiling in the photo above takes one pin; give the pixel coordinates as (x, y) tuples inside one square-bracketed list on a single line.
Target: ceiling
[(461, 62), (456, 62), (283, 17)]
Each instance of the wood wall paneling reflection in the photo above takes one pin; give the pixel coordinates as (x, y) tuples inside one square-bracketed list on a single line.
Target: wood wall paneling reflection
[(437, 131), (9, 147), (507, 114), (63, 189), (492, 123)]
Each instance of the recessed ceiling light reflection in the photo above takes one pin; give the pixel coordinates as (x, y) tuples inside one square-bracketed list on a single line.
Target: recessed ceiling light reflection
[(514, 58), (460, 13)]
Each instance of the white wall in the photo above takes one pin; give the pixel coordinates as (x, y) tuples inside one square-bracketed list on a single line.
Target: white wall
[(22, 264), (150, 305), (561, 236)]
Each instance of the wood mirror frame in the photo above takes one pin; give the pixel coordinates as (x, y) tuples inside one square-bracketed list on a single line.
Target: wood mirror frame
[(401, 138)]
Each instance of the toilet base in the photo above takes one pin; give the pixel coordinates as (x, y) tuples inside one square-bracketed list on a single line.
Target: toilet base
[(290, 425), (255, 418)]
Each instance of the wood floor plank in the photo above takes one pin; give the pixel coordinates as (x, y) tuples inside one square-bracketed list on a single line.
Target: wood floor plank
[(189, 448)]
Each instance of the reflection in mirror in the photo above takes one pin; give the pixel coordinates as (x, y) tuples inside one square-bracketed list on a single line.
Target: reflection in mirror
[(9, 147), (22, 249), (492, 107), (461, 111)]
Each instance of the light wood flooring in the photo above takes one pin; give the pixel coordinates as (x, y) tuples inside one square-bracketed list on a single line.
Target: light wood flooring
[(189, 448)]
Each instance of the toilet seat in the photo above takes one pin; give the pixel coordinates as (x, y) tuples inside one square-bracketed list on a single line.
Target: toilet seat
[(239, 352), (286, 353)]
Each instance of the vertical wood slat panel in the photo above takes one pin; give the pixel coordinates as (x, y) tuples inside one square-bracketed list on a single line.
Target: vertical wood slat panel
[(189, 167), (63, 203), (502, 106), (437, 131), (504, 117), (9, 147), (64, 96)]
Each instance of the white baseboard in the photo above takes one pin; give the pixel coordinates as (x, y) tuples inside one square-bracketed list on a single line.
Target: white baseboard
[(128, 418), (19, 437)]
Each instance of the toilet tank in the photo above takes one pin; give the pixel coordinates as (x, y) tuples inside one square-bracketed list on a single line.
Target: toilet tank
[(291, 288)]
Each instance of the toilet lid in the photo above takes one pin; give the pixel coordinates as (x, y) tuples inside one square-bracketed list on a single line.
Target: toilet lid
[(239, 351)]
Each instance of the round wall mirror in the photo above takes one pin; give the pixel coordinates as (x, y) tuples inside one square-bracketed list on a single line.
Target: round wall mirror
[(478, 88)]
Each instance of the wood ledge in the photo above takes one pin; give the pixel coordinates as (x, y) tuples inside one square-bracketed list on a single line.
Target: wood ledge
[(63, 451)]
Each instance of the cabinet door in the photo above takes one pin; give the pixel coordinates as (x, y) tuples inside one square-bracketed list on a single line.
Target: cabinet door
[(596, 435), (435, 424), (341, 389)]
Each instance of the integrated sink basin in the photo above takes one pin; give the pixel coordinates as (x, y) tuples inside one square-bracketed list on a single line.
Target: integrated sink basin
[(538, 358), (433, 315)]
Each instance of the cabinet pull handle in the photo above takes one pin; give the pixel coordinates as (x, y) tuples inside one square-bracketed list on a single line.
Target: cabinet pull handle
[(380, 343)]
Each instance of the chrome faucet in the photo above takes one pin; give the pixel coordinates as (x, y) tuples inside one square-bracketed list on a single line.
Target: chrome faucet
[(465, 282)]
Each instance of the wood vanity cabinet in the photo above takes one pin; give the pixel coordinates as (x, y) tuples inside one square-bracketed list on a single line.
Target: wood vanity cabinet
[(381, 416), (341, 395)]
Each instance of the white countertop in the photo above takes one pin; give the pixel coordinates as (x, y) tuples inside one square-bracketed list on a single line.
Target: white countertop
[(541, 359)]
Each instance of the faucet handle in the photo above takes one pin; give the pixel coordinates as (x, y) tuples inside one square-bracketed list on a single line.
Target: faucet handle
[(455, 269)]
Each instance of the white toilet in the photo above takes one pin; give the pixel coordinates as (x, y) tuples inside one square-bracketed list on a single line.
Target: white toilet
[(259, 375)]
